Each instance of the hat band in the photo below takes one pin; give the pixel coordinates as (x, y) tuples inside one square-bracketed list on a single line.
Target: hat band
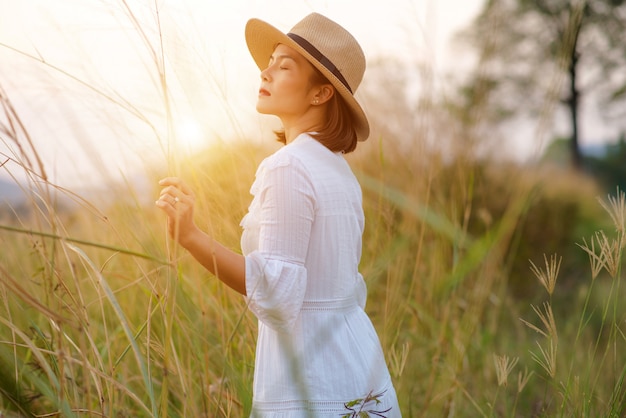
[(319, 57)]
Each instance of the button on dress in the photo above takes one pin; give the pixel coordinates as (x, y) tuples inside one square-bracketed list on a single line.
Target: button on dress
[(317, 348)]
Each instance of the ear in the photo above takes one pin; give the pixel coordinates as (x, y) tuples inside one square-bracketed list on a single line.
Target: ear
[(324, 94)]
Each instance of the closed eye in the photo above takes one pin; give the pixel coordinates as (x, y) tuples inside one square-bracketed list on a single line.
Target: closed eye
[(281, 60)]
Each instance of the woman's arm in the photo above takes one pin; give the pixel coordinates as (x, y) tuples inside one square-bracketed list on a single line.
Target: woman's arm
[(177, 201)]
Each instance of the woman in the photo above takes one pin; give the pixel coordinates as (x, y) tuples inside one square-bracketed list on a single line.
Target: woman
[(317, 349)]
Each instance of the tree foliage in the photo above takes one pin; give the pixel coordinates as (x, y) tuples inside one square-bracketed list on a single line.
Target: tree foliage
[(535, 54)]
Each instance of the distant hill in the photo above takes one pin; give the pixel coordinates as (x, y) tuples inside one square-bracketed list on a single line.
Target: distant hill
[(595, 150), (10, 193), (559, 151), (16, 203), (604, 162)]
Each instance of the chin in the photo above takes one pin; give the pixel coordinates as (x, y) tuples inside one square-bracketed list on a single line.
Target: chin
[(263, 109)]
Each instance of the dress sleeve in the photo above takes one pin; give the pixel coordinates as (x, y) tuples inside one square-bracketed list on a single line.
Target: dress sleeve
[(361, 291), (275, 273)]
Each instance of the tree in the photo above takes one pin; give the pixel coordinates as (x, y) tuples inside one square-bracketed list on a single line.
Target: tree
[(538, 52)]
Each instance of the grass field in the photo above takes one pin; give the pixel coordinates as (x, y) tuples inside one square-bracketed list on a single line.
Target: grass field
[(102, 316), (495, 288)]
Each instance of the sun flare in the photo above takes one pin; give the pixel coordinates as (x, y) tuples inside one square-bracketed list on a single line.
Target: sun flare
[(189, 134)]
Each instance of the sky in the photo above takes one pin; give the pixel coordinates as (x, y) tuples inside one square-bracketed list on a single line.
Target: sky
[(84, 75)]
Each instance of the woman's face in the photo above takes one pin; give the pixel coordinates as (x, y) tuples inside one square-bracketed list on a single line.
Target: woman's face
[(285, 84)]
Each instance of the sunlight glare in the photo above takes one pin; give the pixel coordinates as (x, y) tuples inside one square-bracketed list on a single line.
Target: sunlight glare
[(189, 134)]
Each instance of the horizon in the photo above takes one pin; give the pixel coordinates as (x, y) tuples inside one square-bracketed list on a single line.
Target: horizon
[(89, 91)]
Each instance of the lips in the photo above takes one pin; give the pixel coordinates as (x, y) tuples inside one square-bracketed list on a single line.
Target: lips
[(263, 92)]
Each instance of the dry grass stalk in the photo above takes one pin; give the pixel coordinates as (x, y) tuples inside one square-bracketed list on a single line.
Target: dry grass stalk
[(547, 360), (504, 367), (523, 378), (609, 253), (547, 319), (608, 256), (616, 208), (595, 260), (547, 357), (548, 276), (398, 359)]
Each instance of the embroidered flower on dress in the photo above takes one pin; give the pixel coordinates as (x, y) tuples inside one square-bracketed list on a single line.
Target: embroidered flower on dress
[(359, 407)]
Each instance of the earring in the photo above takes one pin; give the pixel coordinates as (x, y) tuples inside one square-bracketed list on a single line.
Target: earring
[(316, 101)]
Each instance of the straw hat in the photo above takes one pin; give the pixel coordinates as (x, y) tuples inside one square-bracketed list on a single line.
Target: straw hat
[(326, 45)]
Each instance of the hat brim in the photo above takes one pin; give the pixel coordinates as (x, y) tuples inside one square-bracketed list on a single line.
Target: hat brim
[(262, 38)]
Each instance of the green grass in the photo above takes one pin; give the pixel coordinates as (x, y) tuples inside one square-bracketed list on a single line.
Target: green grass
[(109, 317), (102, 315)]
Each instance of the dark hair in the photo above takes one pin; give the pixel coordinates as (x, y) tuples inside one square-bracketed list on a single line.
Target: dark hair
[(337, 132)]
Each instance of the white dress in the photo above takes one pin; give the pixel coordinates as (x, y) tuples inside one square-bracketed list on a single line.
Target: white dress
[(316, 347)]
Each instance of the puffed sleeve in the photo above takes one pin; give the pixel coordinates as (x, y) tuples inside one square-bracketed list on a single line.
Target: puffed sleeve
[(275, 273)]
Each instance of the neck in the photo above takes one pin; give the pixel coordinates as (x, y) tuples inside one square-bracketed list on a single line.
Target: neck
[(309, 122)]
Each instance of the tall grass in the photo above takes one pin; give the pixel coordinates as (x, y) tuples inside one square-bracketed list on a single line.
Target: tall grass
[(84, 324), (102, 316)]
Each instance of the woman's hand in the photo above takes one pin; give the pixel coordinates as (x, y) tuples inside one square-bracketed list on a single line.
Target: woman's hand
[(177, 201)]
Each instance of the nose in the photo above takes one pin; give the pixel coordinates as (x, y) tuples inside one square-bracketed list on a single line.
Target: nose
[(265, 76)]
